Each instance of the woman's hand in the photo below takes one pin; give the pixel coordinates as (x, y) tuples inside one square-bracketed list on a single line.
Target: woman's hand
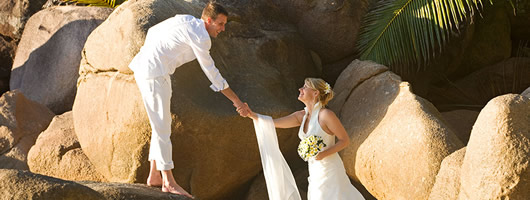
[(253, 115), (321, 155)]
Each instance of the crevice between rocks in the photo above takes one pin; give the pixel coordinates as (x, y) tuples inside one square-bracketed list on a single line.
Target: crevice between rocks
[(361, 81)]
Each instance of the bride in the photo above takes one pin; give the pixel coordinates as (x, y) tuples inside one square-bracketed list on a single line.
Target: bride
[(327, 176)]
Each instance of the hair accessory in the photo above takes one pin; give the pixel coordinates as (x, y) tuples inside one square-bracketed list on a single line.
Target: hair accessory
[(327, 88)]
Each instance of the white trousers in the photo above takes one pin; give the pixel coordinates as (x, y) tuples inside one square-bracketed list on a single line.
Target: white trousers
[(156, 95)]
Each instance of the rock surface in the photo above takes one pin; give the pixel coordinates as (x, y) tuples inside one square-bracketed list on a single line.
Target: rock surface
[(46, 66), (21, 122), (57, 153), (497, 159)]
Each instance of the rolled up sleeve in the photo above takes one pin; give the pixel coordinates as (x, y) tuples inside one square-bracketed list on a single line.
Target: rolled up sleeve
[(201, 49)]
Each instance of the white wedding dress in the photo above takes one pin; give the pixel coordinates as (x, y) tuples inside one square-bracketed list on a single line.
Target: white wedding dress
[(327, 177)]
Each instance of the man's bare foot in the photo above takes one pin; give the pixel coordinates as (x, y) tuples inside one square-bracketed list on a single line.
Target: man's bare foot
[(175, 189), (154, 180)]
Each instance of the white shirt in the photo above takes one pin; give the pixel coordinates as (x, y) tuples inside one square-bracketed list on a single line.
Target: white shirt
[(172, 43)]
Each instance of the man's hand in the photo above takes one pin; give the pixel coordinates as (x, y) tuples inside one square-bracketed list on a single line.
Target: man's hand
[(242, 108)]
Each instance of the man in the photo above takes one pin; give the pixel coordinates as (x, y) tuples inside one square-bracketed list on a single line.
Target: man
[(168, 45)]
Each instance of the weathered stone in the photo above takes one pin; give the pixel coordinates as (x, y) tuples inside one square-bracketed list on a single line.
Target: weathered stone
[(391, 131), (115, 104), (20, 184), (332, 71), (13, 17), (329, 27), (57, 153), (497, 160), (14, 14), (258, 187), (364, 91), (356, 73), (476, 89), (447, 185), (46, 66), (130, 191), (21, 121), (401, 141)]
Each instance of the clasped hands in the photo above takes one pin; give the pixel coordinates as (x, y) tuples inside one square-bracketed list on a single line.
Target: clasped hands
[(244, 110)]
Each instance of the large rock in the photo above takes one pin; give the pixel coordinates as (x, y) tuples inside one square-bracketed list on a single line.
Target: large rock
[(497, 160), (57, 153), (356, 73), (214, 150), (46, 66), (15, 13), (355, 110), (258, 187), (21, 121), (127, 191), (461, 122), (329, 27), (447, 185), (13, 17), (392, 131), (485, 47), (20, 184), (332, 71), (402, 154), (476, 89)]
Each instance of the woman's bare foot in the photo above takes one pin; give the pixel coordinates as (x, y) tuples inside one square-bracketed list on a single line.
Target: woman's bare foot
[(155, 178)]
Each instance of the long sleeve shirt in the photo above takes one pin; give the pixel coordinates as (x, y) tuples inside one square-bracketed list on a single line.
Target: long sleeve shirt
[(172, 43)]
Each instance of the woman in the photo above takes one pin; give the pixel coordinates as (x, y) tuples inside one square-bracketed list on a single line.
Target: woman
[(327, 176)]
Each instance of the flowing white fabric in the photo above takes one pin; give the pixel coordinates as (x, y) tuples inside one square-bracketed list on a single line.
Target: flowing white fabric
[(278, 176)]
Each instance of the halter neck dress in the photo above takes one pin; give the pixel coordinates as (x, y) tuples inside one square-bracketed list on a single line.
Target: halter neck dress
[(327, 177)]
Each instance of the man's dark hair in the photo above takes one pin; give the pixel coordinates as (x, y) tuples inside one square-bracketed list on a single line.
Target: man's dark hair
[(212, 9)]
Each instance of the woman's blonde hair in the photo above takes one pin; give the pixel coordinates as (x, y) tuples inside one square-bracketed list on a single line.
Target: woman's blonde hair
[(326, 94)]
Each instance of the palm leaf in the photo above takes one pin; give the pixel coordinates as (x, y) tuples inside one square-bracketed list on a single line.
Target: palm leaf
[(100, 3), (409, 33)]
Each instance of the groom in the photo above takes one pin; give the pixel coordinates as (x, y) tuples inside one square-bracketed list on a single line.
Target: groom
[(168, 45)]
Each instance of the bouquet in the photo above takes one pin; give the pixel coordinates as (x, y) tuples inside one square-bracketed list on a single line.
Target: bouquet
[(310, 146)]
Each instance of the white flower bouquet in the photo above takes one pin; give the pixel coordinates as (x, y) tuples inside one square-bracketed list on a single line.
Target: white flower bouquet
[(310, 146)]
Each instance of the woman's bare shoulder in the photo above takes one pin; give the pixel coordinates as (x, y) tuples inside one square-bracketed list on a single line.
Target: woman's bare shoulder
[(324, 112)]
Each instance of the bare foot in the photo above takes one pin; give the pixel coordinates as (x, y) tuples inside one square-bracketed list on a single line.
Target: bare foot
[(154, 180), (176, 189)]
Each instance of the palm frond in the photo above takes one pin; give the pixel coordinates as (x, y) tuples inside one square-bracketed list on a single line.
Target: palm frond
[(100, 3), (409, 33)]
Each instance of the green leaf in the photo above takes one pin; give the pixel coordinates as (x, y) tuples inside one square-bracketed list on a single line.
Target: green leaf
[(100, 3), (409, 33)]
